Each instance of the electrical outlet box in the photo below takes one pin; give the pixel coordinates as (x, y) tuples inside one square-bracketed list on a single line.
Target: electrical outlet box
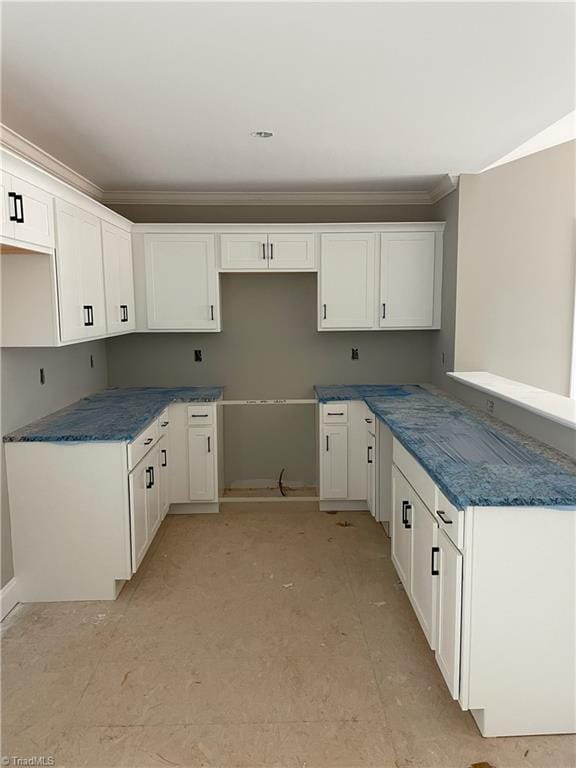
[(354, 353), (197, 355), (490, 405)]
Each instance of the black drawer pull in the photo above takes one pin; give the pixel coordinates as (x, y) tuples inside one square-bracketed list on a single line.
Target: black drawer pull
[(369, 455), (442, 516), (149, 478), (165, 457), (123, 313), (335, 414), (405, 507), (164, 423), (89, 317), (148, 441), (433, 568), (199, 415)]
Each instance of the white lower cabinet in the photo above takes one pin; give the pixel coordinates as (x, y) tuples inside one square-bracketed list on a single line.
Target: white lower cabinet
[(423, 582), (449, 612), (145, 511), (333, 461), (401, 532), (202, 464), (164, 477)]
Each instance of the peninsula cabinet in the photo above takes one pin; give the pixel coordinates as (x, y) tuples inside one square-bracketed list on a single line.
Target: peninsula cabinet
[(257, 252), (479, 581), (182, 288)]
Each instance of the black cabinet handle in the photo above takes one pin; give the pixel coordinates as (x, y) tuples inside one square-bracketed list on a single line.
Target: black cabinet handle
[(327, 443), (149, 478), (165, 457), (209, 447), (433, 569), (199, 415), (264, 251), (89, 319), (408, 524), (339, 413), (383, 311), (12, 196), (164, 423), (123, 313), (442, 516), (148, 441), (271, 251), (324, 315), (405, 507), (152, 476), (369, 455), (20, 219), (404, 504), (368, 421), (211, 311)]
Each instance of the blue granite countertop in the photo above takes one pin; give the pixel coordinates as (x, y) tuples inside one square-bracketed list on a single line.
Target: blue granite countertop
[(117, 414), (475, 459)]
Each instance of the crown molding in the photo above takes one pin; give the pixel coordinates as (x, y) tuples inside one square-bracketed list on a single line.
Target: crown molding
[(128, 197), (28, 151), (446, 185)]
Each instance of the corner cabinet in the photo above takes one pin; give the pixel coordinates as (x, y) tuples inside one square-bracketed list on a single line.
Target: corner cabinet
[(182, 289)]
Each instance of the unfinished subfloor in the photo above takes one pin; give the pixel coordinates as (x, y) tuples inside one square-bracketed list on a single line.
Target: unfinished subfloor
[(268, 635)]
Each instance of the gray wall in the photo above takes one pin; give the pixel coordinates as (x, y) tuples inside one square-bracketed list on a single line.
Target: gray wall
[(269, 347), (68, 378)]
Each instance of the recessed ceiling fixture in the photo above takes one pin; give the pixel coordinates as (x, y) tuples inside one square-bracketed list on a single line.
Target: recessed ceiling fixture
[(262, 134)]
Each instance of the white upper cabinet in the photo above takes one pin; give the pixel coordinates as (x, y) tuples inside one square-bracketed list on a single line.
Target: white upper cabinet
[(291, 252), (347, 272), (182, 291), (118, 279), (407, 279), (27, 213), (244, 252), (261, 252), (80, 273)]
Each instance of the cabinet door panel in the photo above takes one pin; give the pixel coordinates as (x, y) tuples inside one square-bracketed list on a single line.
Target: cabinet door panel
[(7, 208), (334, 462), (118, 279), (291, 252), (138, 480), (90, 253), (37, 209), (371, 464), (401, 535), (449, 613), (244, 252), (347, 281), (153, 510), (423, 582), (181, 282), (407, 270), (164, 476), (202, 452)]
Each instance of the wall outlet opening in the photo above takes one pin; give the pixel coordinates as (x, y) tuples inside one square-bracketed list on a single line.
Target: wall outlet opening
[(355, 353), (490, 405), (197, 355)]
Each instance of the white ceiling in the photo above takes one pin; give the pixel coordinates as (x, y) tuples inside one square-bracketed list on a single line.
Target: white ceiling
[(364, 97)]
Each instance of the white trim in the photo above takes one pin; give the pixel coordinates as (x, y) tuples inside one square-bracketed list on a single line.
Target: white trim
[(447, 184), (25, 149), (265, 499), (551, 406), (381, 226), (9, 598), (560, 132), (135, 197)]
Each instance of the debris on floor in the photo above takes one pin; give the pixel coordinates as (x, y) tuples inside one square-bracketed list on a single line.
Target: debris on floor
[(345, 524), (287, 586), (482, 765)]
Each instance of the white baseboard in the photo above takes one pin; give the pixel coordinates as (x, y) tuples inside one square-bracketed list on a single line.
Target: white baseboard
[(195, 508), (8, 597), (268, 483), (343, 505)]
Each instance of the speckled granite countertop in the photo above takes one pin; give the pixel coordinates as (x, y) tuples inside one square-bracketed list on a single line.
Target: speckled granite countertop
[(118, 414), (476, 460)]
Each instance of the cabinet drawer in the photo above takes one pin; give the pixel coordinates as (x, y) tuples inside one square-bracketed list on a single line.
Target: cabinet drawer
[(334, 413), (450, 520), (142, 444), (164, 421), (200, 415), (416, 475)]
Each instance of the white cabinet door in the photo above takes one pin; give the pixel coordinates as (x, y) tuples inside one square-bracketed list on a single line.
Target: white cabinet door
[(347, 273), (424, 571), (449, 613), (153, 510), (138, 485), (291, 252), (401, 528), (202, 452), (181, 282), (164, 476), (35, 214), (79, 273), (333, 461), (8, 210), (371, 464), (407, 272), (244, 252), (118, 279)]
